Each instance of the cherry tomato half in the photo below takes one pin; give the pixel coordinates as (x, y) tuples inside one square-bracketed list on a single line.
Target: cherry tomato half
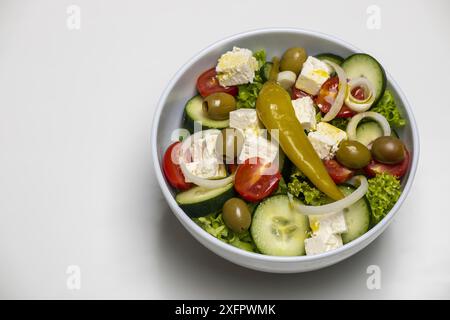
[(207, 84), (172, 169), (338, 172), (326, 96), (256, 179), (397, 170), (358, 93)]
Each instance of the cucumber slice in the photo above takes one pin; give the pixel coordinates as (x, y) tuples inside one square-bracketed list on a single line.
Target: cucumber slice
[(357, 216), (265, 70), (367, 132), (331, 57), (277, 229), (194, 113), (198, 201), (363, 65)]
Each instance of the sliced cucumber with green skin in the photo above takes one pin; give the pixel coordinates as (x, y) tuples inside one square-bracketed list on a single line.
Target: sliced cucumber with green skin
[(193, 112), (363, 65), (277, 229), (368, 131), (331, 57), (199, 202), (357, 216), (265, 70)]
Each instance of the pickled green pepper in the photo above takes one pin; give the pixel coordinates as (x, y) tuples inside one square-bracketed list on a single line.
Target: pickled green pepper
[(274, 108)]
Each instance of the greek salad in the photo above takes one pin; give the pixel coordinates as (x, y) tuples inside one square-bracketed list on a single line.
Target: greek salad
[(288, 156)]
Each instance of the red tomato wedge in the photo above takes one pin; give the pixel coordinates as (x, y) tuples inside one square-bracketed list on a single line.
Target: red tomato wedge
[(207, 84), (255, 179), (297, 94), (397, 170), (338, 172), (358, 93), (326, 97), (172, 169)]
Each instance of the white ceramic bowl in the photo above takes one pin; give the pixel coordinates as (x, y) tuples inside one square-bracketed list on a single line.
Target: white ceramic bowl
[(169, 117)]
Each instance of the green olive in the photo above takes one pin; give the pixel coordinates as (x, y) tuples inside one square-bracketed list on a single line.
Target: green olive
[(229, 144), (353, 154), (389, 150), (219, 105), (236, 215), (293, 60)]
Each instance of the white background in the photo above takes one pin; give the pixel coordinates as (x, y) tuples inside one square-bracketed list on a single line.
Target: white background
[(77, 185)]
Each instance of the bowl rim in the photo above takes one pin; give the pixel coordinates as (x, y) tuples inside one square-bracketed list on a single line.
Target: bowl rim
[(187, 221)]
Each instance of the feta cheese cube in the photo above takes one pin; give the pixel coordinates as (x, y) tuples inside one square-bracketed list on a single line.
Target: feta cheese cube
[(326, 232), (207, 168), (236, 67), (203, 148), (328, 223), (255, 144), (245, 120), (204, 162), (326, 140), (305, 112), (258, 146), (322, 243), (313, 75)]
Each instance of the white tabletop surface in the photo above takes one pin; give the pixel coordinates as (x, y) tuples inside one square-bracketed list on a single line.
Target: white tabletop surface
[(77, 185)]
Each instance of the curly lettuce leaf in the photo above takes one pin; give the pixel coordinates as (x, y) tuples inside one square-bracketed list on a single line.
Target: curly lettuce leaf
[(300, 187), (384, 191), (388, 108), (214, 225), (248, 93), (340, 123), (260, 56)]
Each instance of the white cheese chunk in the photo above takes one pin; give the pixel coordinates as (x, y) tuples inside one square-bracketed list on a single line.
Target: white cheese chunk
[(329, 223), (322, 243), (313, 75), (326, 140), (305, 112), (327, 229), (236, 67), (245, 120), (258, 146), (204, 162), (206, 168), (255, 143)]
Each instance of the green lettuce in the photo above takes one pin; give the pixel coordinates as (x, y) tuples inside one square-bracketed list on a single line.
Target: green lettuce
[(248, 93), (300, 187), (260, 56), (340, 123), (214, 225), (384, 191), (388, 108)]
